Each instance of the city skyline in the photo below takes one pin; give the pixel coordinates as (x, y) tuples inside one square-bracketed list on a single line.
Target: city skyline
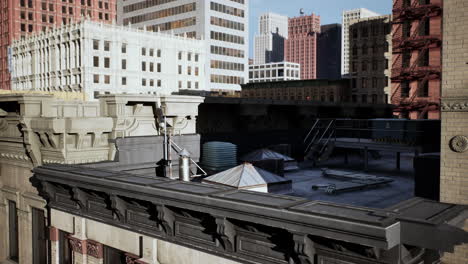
[(328, 11)]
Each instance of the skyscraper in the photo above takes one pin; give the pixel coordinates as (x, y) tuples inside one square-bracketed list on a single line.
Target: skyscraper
[(224, 24), (329, 52), (269, 42), (301, 45), (22, 17), (347, 17)]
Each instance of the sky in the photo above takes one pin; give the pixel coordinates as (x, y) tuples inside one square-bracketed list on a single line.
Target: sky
[(328, 10)]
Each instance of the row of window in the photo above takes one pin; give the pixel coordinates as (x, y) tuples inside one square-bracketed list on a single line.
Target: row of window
[(189, 70), (145, 4), (227, 52), (187, 22), (374, 29), (227, 9), (227, 37), (239, 1), (224, 65), (226, 79), (227, 23), (161, 13), (370, 82), (189, 56), (189, 85), (374, 49), (144, 81), (364, 65), (273, 73)]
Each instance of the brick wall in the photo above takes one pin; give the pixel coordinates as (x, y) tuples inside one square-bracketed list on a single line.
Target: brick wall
[(454, 165)]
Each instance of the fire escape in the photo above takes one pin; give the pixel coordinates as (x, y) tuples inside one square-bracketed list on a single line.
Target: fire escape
[(406, 70)]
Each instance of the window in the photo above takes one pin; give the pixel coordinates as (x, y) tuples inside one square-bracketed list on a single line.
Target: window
[(405, 89), (39, 237), (113, 256), (96, 78), (96, 61), (180, 84), (364, 98), (364, 66), (151, 82), (159, 83), (196, 71), (124, 64), (189, 56), (159, 53), (159, 67), (96, 44), (423, 88), (196, 85), (364, 49), (180, 69), (13, 231), (106, 62), (107, 79), (196, 57), (143, 51), (143, 66), (65, 253), (151, 67), (189, 70), (189, 85), (180, 55), (124, 48), (424, 58), (124, 80), (106, 45), (151, 52), (143, 82)]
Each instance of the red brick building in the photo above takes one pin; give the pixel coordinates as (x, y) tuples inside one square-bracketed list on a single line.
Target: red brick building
[(301, 45), (21, 17), (416, 62)]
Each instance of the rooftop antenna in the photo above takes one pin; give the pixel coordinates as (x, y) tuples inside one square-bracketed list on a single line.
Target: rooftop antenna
[(301, 11)]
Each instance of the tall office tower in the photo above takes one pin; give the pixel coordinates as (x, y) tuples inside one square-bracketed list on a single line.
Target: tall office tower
[(370, 41), (301, 45), (417, 52), (329, 52), (269, 43), (222, 23), (22, 17), (347, 17)]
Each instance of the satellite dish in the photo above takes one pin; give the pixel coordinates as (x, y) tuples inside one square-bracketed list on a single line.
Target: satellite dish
[(301, 11)]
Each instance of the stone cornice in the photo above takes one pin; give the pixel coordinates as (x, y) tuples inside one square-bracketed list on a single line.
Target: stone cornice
[(454, 104), (224, 222)]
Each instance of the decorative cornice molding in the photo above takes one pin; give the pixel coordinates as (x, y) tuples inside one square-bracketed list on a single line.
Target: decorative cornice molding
[(457, 104), (77, 245)]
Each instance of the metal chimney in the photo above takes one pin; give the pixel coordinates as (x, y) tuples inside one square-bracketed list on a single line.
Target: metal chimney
[(184, 165)]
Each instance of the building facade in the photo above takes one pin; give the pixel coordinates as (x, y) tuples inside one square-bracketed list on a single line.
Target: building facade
[(301, 45), (332, 91), (269, 42), (329, 52), (454, 151), (96, 58), (223, 24), (370, 41), (416, 66), (20, 18), (274, 72), (347, 17)]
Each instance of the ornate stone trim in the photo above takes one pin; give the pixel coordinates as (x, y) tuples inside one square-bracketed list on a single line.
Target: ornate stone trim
[(455, 105), (133, 259), (94, 249), (77, 245), (459, 144)]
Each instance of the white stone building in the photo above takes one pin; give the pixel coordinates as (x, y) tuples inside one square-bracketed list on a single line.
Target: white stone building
[(347, 17), (96, 58), (269, 42), (222, 23), (274, 72)]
